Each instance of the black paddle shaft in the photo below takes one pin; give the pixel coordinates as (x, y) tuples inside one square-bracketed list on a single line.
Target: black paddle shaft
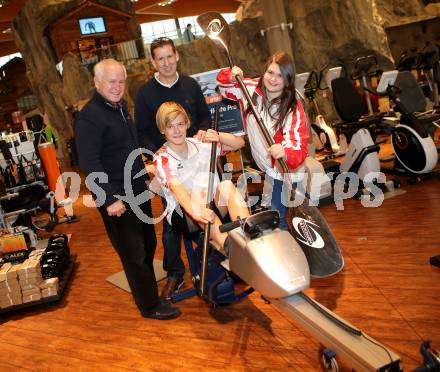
[(210, 202)]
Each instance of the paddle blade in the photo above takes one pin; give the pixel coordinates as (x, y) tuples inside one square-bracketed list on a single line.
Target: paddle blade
[(216, 28), (311, 231)]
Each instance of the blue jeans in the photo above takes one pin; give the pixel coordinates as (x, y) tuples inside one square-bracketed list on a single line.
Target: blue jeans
[(279, 199), (276, 201)]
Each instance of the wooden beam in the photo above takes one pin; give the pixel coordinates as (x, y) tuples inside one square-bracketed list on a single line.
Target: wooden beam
[(8, 47), (6, 37), (87, 4), (187, 8)]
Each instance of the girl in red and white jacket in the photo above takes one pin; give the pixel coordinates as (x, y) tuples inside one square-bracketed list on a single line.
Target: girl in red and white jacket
[(275, 100)]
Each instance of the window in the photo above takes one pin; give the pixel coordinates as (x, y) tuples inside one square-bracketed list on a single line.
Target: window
[(153, 30), (169, 26)]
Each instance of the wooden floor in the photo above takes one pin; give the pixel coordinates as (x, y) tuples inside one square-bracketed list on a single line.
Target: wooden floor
[(387, 288)]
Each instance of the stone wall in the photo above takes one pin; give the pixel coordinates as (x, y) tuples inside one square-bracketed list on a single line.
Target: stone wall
[(248, 50), (329, 32), (77, 81)]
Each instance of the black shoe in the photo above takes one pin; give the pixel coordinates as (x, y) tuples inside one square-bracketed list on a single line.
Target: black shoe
[(163, 311), (172, 286)]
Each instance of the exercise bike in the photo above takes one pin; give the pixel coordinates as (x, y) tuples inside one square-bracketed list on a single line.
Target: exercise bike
[(362, 156), (429, 64), (414, 148), (315, 182), (324, 137), (360, 167)]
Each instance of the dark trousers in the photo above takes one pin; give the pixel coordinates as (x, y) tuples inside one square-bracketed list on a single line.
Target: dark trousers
[(172, 261), (135, 243)]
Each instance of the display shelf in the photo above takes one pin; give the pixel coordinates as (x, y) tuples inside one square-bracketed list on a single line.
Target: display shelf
[(24, 186), (51, 299)]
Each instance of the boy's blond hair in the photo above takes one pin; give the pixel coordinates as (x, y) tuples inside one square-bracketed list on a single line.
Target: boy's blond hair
[(167, 112)]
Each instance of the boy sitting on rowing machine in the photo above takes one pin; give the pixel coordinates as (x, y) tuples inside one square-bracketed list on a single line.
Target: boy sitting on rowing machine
[(182, 168)]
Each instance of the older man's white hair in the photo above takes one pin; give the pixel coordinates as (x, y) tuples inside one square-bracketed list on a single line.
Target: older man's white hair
[(108, 62)]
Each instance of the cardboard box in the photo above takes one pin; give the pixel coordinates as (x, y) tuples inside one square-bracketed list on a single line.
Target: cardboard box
[(3, 269), (47, 292), (8, 301), (11, 283), (11, 297), (34, 297), (30, 292), (6, 290), (4, 304), (32, 277), (13, 271), (26, 287), (5, 274), (34, 281), (48, 283), (36, 254), (29, 267)]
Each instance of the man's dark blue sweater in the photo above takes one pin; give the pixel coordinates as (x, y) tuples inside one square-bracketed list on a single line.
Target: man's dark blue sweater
[(152, 94)]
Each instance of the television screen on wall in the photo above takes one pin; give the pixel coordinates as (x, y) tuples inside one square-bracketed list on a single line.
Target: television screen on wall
[(94, 25)]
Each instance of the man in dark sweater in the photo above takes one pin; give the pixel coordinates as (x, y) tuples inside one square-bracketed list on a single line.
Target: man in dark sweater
[(167, 85), (106, 142)]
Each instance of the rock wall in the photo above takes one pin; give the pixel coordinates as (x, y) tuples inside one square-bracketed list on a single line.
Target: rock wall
[(339, 31), (319, 39), (249, 9), (248, 50), (77, 81)]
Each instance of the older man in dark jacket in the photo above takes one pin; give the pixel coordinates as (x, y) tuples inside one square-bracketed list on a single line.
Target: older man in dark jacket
[(106, 138)]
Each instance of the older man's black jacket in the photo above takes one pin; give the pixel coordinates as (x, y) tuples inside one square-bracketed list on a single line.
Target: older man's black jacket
[(105, 136)]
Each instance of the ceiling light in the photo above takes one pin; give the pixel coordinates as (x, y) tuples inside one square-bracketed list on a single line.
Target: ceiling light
[(167, 2), (7, 31)]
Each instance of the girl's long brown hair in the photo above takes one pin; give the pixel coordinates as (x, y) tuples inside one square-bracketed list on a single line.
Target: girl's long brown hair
[(287, 100)]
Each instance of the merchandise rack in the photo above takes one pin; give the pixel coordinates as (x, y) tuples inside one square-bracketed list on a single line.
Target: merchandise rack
[(51, 299)]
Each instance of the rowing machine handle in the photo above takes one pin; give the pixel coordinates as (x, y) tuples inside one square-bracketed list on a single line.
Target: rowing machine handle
[(226, 227)]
